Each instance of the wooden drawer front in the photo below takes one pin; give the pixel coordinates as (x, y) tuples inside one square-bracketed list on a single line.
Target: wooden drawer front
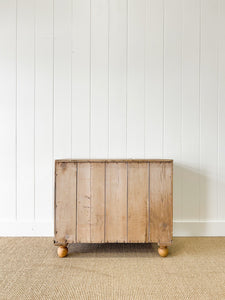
[(98, 202)]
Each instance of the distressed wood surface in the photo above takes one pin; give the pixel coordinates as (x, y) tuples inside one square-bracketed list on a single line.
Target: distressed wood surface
[(116, 202), (83, 203), (127, 201), (161, 203), (97, 204), (137, 202), (115, 160), (65, 202)]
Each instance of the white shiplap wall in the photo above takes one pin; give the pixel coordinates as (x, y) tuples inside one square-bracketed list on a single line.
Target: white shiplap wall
[(112, 79)]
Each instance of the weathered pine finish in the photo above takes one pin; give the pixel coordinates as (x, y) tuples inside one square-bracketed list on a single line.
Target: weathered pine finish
[(83, 203), (137, 202), (161, 210), (90, 202), (65, 205), (97, 206), (117, 201)]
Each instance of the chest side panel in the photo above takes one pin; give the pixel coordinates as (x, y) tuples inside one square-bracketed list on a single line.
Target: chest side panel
[(161, 202), (138, 202), (65, 202)]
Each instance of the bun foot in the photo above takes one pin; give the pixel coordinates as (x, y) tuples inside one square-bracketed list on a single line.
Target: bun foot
[(163, 251), (62, 251)]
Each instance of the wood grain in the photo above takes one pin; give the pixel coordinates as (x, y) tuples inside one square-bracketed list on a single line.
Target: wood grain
[(83, 203), (65, 202), (161, 203), (115, 160), (97, 202), (137, 202), (116, 202)]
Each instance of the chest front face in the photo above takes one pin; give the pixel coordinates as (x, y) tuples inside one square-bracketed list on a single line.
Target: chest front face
[(113, 201)]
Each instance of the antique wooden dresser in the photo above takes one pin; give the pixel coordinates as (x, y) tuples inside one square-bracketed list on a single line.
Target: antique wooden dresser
[(113, 201)]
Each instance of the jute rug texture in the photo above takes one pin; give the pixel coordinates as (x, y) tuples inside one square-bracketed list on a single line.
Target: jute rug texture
[(30, 269)]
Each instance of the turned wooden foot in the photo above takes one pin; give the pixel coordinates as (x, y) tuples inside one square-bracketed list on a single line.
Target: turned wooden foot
[(163, 251), (62, 251)]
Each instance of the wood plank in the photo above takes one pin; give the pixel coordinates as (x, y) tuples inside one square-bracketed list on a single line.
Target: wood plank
[(65, 202), (115, 160), (137, 202), (83, 203), (116, 203), (161, 202), (97, 202)]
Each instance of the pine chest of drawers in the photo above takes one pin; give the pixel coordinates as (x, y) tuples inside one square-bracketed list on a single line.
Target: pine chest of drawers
[(113, 201)]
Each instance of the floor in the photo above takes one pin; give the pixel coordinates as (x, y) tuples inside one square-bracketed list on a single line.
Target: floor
[(194, 269)]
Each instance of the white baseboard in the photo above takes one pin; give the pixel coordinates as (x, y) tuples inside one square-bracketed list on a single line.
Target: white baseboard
[(199, 228), (180, 228), (18, 228)]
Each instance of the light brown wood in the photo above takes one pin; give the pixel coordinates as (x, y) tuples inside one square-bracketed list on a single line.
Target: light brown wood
[(97, 202), (163, 251), (116, 202), (65, 202), (62, 251), (161, 206), (137, 202), (114, 160), (100, 201), (83, 203)]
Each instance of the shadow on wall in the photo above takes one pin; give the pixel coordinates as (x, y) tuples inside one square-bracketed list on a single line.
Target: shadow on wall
[(195, 197)]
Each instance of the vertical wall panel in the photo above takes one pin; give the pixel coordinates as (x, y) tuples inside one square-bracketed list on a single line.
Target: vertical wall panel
[(190, 109), (25, 108), (117, 77), (221, 110), (99, 79), (136, 79), (110, 78), (80, 78), (154, 79), (172, 92), (8, 108), (43, 109), (62, 78), (209, 109)]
